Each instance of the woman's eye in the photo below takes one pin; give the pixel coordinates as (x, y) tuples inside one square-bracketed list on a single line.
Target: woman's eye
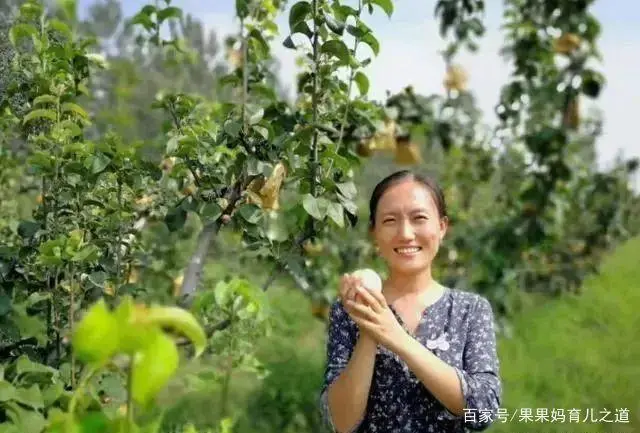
[(387, 221), (421, 217)]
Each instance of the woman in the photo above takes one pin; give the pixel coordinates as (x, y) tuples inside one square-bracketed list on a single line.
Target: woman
[(418, 357)]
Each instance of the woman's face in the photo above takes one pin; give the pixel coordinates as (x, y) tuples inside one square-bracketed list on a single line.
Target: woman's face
[(408, 228)]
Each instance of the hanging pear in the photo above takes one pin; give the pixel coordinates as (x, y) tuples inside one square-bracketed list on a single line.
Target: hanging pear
[(455, 79), (320, 310), (253, 191), (270, 192), (365, 147), (313, 248), (386, 139), (571, 118), (266, 192), (407, 153), (567, 43), (235, 57)]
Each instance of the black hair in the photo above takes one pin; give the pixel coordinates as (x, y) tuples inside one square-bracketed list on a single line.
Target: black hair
[(394, 178)]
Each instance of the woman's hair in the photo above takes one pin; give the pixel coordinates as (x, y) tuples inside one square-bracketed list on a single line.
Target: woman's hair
[(397, 177)]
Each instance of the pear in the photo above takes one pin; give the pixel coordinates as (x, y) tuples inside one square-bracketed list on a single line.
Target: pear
[(370, 279)]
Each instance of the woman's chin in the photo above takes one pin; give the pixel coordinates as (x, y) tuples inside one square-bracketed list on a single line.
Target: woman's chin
[(409, 266)]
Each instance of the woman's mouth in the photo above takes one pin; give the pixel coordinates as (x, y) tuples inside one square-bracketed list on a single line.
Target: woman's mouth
[(407, 251)]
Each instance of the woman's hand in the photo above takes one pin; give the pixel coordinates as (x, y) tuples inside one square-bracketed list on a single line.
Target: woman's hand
[(373, 316), (348, 293)]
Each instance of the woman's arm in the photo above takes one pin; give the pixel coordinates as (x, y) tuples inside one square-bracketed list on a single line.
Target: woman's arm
[(436, 375), (477, 387), (349, 371), (348, 395)]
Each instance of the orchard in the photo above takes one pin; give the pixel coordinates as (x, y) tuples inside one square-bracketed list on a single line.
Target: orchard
[(155, 186)]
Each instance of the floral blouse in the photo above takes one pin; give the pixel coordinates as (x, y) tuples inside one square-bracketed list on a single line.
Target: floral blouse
[(459, 329)]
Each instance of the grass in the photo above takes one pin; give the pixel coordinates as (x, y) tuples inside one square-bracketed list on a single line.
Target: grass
[(581, 351)]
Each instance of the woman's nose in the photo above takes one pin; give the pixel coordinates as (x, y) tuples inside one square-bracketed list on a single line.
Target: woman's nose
[(405, 231)]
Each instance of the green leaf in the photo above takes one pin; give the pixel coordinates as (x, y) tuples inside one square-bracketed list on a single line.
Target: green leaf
[(52, 393), (170, 12), (336, 48), (348, 189), (153, 367), (26, 366), (7, 392), (144, 20), (98, 162), (172, 145), (27, 229), (70, 127), (31, 10), (175, 218), (299, 12), (336, 213), (313, 206), (29, 326), (25, 420), (95, 422), (264, 132), (181, 321), (87, 254), (370, 40), (302, 27), (386, 5), (288, 43), (262, 43), (242, 8), (251, 213), (5, 306), (336, 26), (362, 81), (98, 278), (69, 7), (70, 107), (357, 32), (342, 12), (21, 31), (40, 114), (31, 397), (45, 99), (232, 128), (254, 114), (36, 298), (96, 336), (211, 212), (61, 27)]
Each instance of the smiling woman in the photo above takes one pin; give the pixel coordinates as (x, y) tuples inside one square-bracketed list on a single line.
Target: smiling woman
[(418, 356)]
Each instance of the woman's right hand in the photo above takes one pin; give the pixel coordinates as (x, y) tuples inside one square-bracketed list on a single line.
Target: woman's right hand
[(348, 288), (349, 284)]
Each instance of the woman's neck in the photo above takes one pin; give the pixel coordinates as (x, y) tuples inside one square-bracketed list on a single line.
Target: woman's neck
[(398, 285)]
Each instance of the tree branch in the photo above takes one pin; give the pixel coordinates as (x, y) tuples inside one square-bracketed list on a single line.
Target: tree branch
[(196, 262)]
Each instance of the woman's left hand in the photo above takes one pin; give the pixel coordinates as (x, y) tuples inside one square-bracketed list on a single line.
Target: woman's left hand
[(374, 316)]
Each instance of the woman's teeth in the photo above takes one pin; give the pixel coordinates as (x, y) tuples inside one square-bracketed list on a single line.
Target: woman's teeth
[(407, 251)]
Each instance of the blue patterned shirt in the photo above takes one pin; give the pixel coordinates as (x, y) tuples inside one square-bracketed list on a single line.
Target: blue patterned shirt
[(459, 329)]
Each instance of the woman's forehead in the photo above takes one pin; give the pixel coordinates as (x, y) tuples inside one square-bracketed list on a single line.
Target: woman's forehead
[(406, 197)]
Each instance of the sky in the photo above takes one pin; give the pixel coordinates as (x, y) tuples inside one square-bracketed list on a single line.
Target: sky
[(409, 55)]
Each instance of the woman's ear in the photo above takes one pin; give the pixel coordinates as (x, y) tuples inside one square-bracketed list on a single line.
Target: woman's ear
[(444, 226)]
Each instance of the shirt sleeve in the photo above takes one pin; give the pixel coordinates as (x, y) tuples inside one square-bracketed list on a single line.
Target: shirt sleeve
[(479, 377), (340, 344)]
